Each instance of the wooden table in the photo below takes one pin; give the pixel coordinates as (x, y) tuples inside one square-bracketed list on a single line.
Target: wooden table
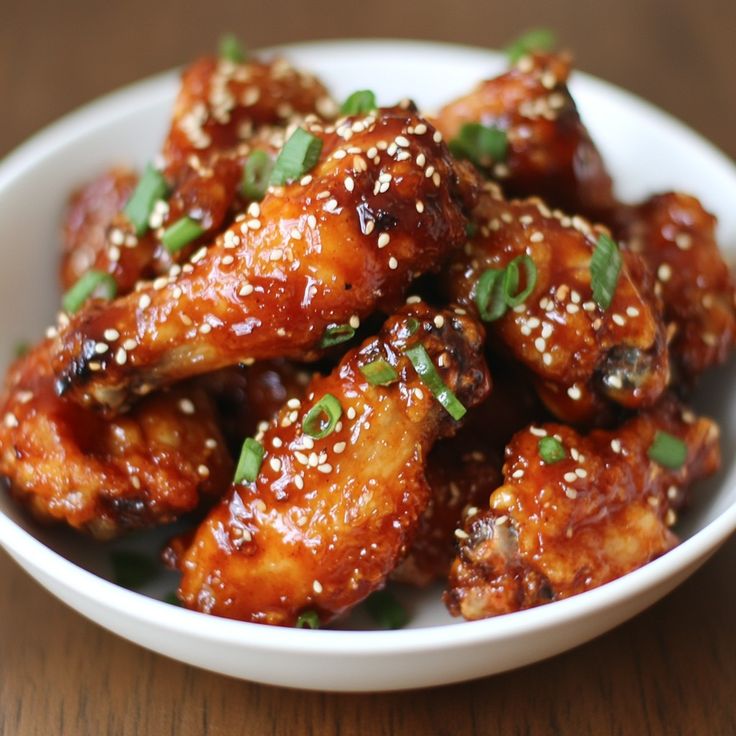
[(672, 670)]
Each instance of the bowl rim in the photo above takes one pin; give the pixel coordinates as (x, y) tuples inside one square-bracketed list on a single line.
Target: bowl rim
[(21, 544)]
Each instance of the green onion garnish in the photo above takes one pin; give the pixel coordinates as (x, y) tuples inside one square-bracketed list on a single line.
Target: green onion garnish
[(307, 620), (151, 187), (21, 349), (605, 266), (232, 49), (298, 156), (180, 234), (359, 102), (256, 175), (172, 599), (481, 144), (412, 325), (471, 228), (511, 280), (386, 611), (536, 39), (379, 372), (335, 334), (667, 450), (551, 450), (314, 423), (489, 296), (426, 370), (92, 283), (132, 569), (249, 464)]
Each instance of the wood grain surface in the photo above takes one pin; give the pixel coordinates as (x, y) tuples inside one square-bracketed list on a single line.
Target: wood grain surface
[(672, 670)]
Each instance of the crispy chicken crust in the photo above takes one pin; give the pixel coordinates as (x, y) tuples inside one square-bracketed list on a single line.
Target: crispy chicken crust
[(555, 530), (328, 519)]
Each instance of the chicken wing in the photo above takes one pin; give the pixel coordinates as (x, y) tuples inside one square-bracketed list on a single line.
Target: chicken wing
[(576, 348), (141, 469), (383, 204), (558, 528), (549, 152), (676, 237), (335, 505)]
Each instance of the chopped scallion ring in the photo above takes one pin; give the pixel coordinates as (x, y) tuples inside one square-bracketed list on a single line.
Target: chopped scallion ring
[(256, 175), (412, 325), (605, 267), (379, 373), (431, 378), (359, 102), (131, 569), (489, 296), (231, 49), (21, 349), (92, 283), (307, 620), (481, 144), (151, 187), (180, 234), (667, 450), (536, 39), (511, 280), (298, 156), (335, 334), (314, 423), (386, 611), (249, 464), (551, 450)]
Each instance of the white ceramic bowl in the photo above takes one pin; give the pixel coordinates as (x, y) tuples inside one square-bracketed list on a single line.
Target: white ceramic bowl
[(646, 150)]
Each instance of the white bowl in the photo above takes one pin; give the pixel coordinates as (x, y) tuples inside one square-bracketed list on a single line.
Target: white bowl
[(647, 151)]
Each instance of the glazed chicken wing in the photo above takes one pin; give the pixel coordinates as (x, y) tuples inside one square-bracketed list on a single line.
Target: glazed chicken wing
[(382, 205), (141, 469), (339, 494), (577, 349), (549, 152), (558, 528), (676, 237)]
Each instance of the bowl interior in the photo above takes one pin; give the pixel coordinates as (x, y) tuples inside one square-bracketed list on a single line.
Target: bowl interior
[(646, 151)]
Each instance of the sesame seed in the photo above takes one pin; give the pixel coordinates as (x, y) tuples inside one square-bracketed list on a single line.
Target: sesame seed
[(383, 240), (664, 272), (317, 586), (393, 264), (618, 319), (275, 464), (144, 302), (10, 420), (186, 406), (420, 206), (538, 431), (101, 348), (330, 205), (299, 482), (246, 289), (420, 129), (540, 344), (203, 471), (339, 447), (401, 141), (518, 473), (324, 468), (570, 477), (226, 261), (293, 403), (439, 321), (632, 311), (351, 413), (461, 534), (571, 493), (616, 446), (210, 443), (354, 321), (574, 393), (536, 237), (581, 472), (130, 344), (312, 221), (616, 381), (205, 329), (547, 359), (349, 183), (683, 241)]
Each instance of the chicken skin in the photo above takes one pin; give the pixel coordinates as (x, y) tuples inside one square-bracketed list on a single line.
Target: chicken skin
[(145, 468), (676, 237), (382, 205), (549, 152), (576, 348), (555, 529), (329, 516)]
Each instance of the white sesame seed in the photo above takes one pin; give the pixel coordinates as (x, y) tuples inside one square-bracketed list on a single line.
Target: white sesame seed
[(518, 473), (144, 302), (317, 586), (461, 534), (210, 443), (538, 431), (632, 311), (324, 468), (293, 403), (299, 482), (10, 420), (574, 393), (383, 240), (130, 344), (664, 272), (618, 319), (540, 344), (393, 264), (246, 289), (581, 472), (275, 464), (339, 447), (203, 471), (351, 413), (570, 477), (616, 446), (354, 321), (186, 406)]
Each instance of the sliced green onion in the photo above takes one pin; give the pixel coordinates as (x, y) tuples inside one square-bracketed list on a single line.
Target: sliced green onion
[(180, 234), (132, 570), (92, 283), (471, 228), (314, 423), (386, 611), (298, 156), (511, 280), (172, 599), (605, 267), (536, 39), (667, 450), (481, 144), (335, 334), (151, 187), (379, 372), (489, 296), (359, 102), (412, 325), (307, 620), (21, 349), (249, 464), (426, 370), (256, 175), (232, 49), (551, 450)]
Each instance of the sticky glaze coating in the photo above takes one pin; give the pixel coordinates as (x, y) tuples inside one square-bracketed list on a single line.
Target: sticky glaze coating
[(464, 469), (555, 530), (328, 519), (550, 153), (221, 103), (676, 237), (571, 344), (382, 205), (142, 469)]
